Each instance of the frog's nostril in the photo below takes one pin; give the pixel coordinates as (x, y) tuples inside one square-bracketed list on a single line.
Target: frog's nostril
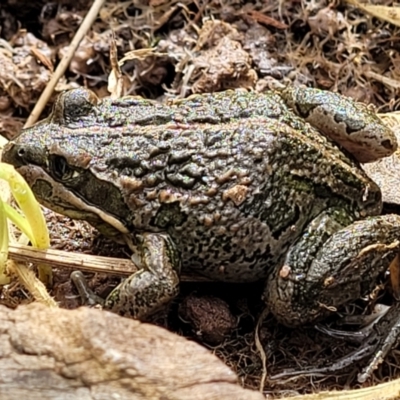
[(387, 144), (21, 152), (14, 154)]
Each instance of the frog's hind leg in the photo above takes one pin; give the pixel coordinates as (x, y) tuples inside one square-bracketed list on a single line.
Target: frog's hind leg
[(154, 285), (331, 265)]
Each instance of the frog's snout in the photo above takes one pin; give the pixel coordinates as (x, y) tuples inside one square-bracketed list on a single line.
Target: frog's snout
[(18, 155), (11, 154)]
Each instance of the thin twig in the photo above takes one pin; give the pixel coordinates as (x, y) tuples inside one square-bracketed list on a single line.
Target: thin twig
[(260, 348), (83, 262)]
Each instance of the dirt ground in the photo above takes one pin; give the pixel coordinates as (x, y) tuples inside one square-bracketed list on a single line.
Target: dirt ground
[(172, 49)]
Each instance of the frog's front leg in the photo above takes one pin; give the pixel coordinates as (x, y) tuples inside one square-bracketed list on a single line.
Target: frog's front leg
[(331, 265), (154, 285)]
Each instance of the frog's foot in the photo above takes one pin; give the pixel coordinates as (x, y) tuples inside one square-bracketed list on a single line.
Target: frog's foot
[(329, 267), (88, 297), (365, 322), (336, 367), (154, 285), (384, 335)]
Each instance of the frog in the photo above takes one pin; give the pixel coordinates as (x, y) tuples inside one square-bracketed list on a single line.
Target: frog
[(237, 186)]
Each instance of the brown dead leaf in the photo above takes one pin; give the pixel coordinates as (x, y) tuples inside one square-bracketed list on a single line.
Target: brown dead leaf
[(266, 20), (42, 58)]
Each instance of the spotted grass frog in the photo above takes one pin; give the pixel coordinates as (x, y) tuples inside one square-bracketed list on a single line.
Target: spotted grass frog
[(236, 186)]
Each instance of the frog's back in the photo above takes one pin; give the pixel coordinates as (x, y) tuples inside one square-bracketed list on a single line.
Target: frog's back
[(233, 186)]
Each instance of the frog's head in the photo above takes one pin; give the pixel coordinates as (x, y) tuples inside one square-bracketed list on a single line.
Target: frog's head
[(49, 156)]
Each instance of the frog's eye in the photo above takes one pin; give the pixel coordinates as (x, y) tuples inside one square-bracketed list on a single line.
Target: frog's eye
[(60, 169), (74, 105), (78, 103)]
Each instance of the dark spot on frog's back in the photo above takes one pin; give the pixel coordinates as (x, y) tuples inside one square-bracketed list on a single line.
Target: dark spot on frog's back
[(179, 157), (192, 170), (161, 148), (169, 215), (181, 181), (123, 162)]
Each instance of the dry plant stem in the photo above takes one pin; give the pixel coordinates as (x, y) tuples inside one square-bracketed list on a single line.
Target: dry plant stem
[(86, 24), (383, 391), (115, 79), (33, 284), (83, 262), (383, 79), (260, 348), (385, 13)]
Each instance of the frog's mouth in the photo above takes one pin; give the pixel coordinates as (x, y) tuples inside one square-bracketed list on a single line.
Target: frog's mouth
[(57, 197)]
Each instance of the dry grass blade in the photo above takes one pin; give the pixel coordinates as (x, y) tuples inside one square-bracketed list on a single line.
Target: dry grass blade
[(115, 79), (260, 348), (383, 79), (140, 54), (42, 58), (84, 262), (33, 284), (383, 391), (265, 19)]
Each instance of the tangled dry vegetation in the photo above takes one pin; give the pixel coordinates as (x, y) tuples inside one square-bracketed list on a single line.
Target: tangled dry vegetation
[(175, 48)]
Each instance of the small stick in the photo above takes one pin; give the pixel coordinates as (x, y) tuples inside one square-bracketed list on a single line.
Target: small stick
[(82, 262)]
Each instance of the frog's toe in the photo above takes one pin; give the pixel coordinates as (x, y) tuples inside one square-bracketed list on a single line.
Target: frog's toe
[(87, 295)]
